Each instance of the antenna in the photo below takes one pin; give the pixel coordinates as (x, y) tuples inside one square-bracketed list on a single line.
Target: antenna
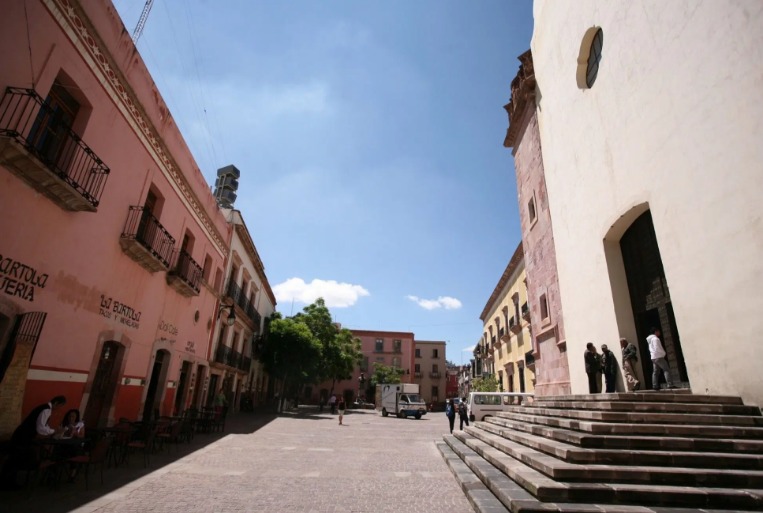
[(142, 21)]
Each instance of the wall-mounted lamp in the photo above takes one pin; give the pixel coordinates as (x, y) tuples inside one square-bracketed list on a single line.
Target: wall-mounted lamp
[(231, 319)]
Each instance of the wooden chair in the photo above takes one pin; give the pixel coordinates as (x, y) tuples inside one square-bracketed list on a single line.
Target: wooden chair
[(98, 456), (144, 444), (173, 434)]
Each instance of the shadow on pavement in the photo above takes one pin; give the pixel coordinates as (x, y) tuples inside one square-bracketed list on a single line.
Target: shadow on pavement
[(68, 496)]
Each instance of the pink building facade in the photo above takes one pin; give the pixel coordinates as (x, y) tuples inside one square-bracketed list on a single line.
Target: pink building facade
[(112, 248), (549, 342)]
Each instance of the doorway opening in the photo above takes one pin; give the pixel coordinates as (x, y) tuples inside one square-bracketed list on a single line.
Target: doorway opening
[(104, 387), (650, 297), (154, 394), (185, 371)]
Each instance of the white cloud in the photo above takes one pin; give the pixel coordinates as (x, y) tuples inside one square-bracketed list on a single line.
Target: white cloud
[(469, 349), (447, 302), (335, 294)]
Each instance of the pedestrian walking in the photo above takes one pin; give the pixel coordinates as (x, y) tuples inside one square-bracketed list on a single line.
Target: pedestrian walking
[(609, 368), (450, 412), (332, 403), (659, 363), (341, 407), (592, 367), (630, 358), (463, 415)]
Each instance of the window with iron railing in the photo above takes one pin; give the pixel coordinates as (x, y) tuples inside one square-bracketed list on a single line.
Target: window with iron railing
[(397, 346)]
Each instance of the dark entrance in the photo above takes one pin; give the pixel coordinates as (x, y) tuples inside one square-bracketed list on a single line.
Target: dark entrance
[(650, 296), (212, 391), (104, 386), (185, 371), (153, 394)]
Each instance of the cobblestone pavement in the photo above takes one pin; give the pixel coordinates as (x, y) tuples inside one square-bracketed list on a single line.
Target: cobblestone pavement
[(301, 462)]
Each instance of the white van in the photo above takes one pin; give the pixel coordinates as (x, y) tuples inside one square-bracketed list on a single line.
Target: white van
[(486, 404)]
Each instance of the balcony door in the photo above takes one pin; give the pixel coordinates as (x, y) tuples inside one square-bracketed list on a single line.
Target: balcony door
[(50, 130)]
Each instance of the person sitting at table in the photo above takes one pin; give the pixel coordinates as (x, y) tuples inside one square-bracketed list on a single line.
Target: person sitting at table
[(73, 425), (24, 454)]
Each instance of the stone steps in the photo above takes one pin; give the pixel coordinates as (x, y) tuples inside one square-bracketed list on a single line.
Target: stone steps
[(643, 416), (646, 452), (595, 441), (574, 454), (611, 496), (528, 414)]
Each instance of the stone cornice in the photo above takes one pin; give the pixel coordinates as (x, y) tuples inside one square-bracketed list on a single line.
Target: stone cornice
[(76, 25), (522, 92), (516, 259)]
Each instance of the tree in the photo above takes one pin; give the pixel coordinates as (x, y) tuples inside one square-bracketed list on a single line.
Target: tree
[(291, 353), (485, 384), (384, 374)]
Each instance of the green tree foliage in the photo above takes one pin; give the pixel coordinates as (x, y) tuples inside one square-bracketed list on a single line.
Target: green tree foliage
[(385, 374), (290, 351), (485, 384)]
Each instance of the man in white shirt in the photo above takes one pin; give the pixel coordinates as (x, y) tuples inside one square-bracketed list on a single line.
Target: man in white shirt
[(332, 403), (659, 363)]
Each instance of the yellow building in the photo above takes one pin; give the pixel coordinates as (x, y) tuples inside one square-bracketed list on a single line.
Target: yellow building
[(506, 348)]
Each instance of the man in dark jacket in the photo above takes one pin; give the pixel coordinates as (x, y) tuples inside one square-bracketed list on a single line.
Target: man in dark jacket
[(609, 368), (592, 367), (463, 415)]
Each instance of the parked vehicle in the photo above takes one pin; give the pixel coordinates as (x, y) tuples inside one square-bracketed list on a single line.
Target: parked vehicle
[(481, 405), (400, 399)]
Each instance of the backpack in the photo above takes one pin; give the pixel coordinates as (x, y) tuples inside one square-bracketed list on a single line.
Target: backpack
[(462, 409)]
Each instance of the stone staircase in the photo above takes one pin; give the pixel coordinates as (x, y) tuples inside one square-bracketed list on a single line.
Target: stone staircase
[(666, 452)]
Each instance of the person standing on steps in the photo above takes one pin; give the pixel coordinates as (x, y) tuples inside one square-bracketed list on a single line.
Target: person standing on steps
[(630, 358), (592, 367), (609, 368), (659, 363)]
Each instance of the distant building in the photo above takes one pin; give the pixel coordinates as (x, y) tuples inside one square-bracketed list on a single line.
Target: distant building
[(506, 345), (112, 246), (647, 136), (429, 370), (248, 297)]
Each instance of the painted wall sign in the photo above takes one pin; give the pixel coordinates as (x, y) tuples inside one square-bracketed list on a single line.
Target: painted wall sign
[(168, 327), (190, 347), (120, 312), (20, 280)]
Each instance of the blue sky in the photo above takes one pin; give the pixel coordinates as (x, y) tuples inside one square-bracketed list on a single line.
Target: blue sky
[(369, 138)]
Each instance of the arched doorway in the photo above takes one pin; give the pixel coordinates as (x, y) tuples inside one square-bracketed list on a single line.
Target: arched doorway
[(158, 377), (650, 296), (104, 385)]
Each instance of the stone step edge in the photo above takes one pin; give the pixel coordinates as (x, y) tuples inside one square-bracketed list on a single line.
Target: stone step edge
[(646, 396), (562, 471), (650, 407), (546, 489), (633, 417), (511, 495), (577, 438), (579, 455), (603, 427), (478, 495)]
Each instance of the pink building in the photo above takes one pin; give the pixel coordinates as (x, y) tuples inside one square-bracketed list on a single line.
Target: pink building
[(112, 248)]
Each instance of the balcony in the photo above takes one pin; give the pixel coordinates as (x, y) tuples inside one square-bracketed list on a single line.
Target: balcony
[(417, 374), (185, 277), (232, 358), (434, 375), (526, 312), (146, 241), (44, 152), (236, 293), (514, 325)]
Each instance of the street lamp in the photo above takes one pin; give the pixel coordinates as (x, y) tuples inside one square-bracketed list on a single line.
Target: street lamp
[(231, 319)]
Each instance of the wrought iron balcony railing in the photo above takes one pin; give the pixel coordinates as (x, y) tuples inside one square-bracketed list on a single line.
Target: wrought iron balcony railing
[(236, 293), (38, 131), (146, 240), (228, 356), (525, 311), (185, 277), (434, 375)]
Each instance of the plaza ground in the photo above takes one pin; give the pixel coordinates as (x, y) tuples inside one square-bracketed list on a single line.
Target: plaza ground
[(294, 462)]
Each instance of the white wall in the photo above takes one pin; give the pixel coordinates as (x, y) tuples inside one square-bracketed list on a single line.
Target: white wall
[(673, 120)]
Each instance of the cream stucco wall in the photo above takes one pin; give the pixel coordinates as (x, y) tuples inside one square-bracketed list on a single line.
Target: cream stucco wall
[(673, 123)]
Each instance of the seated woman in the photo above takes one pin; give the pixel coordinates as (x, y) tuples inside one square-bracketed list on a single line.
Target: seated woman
[(73, 425)]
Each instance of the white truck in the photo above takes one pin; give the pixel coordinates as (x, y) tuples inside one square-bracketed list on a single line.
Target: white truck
[(400, 399)]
